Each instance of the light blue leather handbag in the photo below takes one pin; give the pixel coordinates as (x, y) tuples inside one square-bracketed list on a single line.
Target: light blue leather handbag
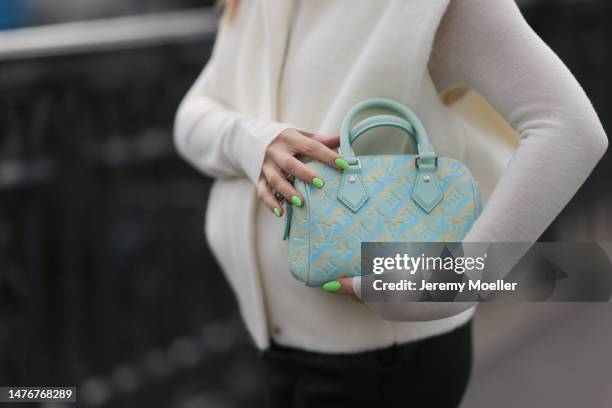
[(387, 198)]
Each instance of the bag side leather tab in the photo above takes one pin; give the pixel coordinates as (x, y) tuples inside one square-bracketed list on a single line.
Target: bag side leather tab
[(427, 192), (352, 192)]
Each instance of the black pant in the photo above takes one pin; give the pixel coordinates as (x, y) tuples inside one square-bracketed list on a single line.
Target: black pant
[(429, 373)]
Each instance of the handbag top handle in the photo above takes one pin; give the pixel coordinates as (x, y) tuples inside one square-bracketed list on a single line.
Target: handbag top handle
[(407, 121), (378, 121), (352, 192)]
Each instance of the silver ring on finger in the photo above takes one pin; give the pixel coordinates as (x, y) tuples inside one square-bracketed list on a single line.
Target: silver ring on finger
[(290, 178), (280, 198)]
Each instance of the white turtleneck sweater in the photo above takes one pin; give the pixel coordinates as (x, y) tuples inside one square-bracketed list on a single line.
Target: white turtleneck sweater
[(337, 52)]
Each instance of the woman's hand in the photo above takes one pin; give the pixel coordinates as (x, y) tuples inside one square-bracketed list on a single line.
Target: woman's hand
[(280, 162)]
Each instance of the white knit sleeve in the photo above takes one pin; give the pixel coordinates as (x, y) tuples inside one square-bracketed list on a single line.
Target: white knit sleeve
[(209, 132), (218, 141), (488, 46)]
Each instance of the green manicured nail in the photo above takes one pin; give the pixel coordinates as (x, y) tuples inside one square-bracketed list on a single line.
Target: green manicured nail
[(341, 163), (295, 200), (317, 182), (277, 212), (332, 286)]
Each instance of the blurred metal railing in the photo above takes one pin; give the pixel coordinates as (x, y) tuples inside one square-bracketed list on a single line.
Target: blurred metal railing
[(105, 279), (108, 34)]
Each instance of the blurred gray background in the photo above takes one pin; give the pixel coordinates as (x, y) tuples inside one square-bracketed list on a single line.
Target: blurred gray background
[(105, 280)]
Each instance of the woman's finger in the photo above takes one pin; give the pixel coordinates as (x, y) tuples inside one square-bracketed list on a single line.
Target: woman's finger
[(279, 183), (293, 166), (346, 286), (342, 285), (265, 194), (313, 148), (330, 141)]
